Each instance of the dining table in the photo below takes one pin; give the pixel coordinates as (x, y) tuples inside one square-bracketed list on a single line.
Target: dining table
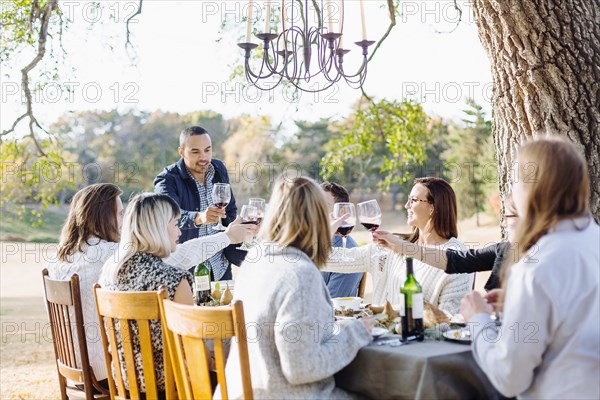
[(432, 369)]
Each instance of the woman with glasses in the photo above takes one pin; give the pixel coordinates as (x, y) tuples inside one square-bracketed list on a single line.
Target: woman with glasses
[(549, 344), (488, 258), (432, 213)]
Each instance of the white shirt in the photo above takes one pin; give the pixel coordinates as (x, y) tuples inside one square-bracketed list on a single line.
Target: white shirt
[(549, 344), (389, 273), (87, 264)]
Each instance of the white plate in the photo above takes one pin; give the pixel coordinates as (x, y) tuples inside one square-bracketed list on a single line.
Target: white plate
[(462, 335), (379, 331)]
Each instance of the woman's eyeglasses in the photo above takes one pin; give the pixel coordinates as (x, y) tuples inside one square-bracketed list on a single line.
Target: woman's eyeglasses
[(412, 200)]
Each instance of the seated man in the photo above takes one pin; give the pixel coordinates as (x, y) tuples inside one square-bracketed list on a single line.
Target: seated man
[(340, 285)]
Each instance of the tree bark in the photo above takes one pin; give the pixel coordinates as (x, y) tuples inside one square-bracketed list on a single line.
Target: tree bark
[(545, 59)]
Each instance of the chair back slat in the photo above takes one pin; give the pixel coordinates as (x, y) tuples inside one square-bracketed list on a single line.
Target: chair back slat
[(197, 368), (240, 323), (220, 364), (129, 356), (147, 357), (187, 329), (65, 313), (120, 311)]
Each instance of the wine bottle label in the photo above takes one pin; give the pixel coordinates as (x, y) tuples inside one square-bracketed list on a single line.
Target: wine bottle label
[(202, 283), (417, 305)]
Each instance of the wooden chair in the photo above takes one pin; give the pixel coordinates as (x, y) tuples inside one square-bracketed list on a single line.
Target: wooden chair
[(187, 328), (126, 307), (63, 303)]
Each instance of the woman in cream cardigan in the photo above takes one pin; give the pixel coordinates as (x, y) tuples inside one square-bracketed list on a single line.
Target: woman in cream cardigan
[(431, 208), (294, 343)]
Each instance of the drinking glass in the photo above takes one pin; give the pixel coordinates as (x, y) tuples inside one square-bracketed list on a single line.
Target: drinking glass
[(261, 208), (370, 216), (340, 209), (248, 216), (221, 195)]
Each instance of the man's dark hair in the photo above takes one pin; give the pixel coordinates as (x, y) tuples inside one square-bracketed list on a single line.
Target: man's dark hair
[(339, 193), (191, 131)]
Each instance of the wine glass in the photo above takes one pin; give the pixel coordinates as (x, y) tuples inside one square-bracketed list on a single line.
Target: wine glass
[(221, 195), (340, 209), (370, 216), (248, 216), (261, 208)]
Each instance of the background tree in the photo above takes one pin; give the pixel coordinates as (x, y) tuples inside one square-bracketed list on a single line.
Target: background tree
[(471, 157), (544, 56), (387, 137), (250, 159)]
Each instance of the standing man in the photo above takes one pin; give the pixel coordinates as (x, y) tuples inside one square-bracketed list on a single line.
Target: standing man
[(340, 285), (189, 182)]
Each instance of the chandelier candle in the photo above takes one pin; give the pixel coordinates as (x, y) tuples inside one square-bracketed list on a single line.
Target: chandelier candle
[(249, 26), (362, 20), (268, 16)]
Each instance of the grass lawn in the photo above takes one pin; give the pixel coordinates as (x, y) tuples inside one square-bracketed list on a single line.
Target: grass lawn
[(14, 228)]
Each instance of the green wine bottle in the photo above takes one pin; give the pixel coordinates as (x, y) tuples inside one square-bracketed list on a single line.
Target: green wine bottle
[(412, 321), (201, 284)]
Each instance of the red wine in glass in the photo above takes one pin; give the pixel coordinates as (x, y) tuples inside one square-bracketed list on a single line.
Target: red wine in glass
[(345, 230), (370, 227), (221, 205)]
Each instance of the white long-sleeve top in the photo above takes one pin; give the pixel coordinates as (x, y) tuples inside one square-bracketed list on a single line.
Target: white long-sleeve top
[(388, 272), (87, 264), (294, 343), (549, 343)]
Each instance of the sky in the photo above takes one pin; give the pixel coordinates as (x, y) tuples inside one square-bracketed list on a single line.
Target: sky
[(180, 66)]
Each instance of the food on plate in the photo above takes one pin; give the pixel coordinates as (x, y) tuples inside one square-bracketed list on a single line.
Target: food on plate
[(344, 312), (376, 309), (387, 309), (433, 316)]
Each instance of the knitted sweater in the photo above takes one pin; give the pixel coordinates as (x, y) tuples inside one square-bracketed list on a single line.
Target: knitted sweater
[(388, 272), (294, 342)]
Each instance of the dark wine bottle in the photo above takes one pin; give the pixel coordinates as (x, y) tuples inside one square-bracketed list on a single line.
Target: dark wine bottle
[(201, 284), (412, 321)]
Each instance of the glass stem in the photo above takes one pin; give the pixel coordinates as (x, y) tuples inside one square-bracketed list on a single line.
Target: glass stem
[(343, 246)]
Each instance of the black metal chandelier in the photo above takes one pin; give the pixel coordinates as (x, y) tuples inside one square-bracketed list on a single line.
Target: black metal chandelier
[(289, 54)]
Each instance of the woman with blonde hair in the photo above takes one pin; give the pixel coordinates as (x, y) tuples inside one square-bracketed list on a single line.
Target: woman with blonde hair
[(432, 212), (91, 235), (298, 345), (149, 234), (550, 343)]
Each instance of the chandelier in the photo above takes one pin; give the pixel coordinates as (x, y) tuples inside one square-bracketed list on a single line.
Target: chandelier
[(289, 54)]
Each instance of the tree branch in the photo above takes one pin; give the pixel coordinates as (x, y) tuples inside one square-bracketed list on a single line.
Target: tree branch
[(43, 35), (127, 30)]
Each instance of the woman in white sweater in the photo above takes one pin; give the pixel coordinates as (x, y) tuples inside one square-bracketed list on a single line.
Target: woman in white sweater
[(295, 344), (90, 237), (431, 208), (549, 344)]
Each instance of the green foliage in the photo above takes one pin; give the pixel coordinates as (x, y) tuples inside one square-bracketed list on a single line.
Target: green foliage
[(29, 179), (472, 158), (379, 143)]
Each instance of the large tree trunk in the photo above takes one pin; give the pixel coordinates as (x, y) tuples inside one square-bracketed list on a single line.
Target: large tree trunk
[(545, 58)]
